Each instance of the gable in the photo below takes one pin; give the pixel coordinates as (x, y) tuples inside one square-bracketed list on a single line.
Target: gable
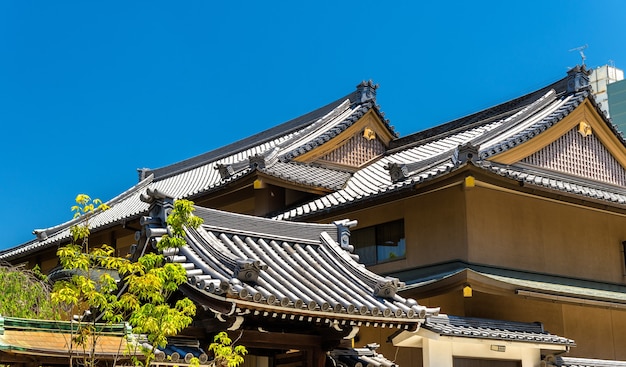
[(581, 144), (580, 155), (359, 149), (365, 140)]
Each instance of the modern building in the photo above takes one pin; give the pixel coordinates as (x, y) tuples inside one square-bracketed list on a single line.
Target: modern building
[(600, 79), (617, 103), (515, 213)]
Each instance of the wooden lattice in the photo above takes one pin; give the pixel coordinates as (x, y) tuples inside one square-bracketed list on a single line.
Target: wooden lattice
[(583, 156), (356, 151)]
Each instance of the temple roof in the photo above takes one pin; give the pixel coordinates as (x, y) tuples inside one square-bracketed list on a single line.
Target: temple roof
[(495, 140), (300, 270), (264, 154), (587, 362), (422, 281), (470, 327)]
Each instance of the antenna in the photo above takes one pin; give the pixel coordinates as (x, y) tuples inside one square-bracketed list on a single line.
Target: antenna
[(580, 49)]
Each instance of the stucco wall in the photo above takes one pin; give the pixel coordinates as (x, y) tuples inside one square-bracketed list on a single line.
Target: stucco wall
[(599, 332), (523, 232), (434, 227)]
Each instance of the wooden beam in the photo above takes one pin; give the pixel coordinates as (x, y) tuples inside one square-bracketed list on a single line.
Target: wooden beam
[(275, 340)]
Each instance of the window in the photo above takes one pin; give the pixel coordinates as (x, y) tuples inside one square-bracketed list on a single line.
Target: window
[(379, 243)]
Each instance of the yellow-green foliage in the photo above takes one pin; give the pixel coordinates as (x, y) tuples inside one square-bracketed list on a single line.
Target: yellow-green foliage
[(25, 293), (225, 354), (148, 283)]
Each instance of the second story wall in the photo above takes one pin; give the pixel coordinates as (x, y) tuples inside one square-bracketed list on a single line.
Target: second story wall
[(525, 232)]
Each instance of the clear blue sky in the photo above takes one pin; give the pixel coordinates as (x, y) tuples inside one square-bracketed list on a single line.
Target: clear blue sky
[(91, 91)]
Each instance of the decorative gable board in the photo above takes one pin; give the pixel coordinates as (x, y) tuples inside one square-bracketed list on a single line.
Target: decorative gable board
[(579, 155), (357, 151), (363, 141), (580, 144)]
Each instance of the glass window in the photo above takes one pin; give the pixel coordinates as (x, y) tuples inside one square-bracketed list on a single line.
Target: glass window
[(379, 243)]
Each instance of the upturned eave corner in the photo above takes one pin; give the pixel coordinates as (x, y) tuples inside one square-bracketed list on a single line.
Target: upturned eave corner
[(584, 114)]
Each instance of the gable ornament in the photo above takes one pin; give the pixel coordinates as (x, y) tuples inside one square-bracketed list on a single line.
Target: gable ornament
[(584, 129)]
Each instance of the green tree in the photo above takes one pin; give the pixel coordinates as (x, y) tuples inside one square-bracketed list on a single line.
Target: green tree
[(25, 293), (146, 285), (225, 353)]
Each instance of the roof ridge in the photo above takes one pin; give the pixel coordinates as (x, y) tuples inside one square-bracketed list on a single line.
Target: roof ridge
[(569, 104), (116, 199), (473, 119), (264, 136), (529, 169)]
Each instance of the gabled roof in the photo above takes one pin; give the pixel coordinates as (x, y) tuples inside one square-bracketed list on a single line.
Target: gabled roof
[(288, 270), (456, 275), (263, 153), (587, 362), (471, 327), (481, 331), (498, 140)]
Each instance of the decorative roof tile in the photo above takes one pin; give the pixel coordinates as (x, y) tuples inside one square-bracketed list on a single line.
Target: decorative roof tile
[(560, 182), (433, 153), (355, 357), (587, 362), (493, 329), (299, 268), (211, 171)]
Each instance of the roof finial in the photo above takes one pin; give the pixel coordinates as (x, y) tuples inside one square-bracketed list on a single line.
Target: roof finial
[(366, 91), (582, 54)]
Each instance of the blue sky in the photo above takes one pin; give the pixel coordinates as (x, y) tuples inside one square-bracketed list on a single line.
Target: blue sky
[(91, 91)]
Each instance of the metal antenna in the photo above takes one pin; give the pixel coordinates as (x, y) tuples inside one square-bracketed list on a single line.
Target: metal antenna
[(580, 49)]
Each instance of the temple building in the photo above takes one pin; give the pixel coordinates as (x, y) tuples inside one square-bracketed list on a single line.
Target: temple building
[(497, 239)]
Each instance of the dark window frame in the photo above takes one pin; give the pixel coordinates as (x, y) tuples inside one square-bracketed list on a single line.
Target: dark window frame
[(380, 243)]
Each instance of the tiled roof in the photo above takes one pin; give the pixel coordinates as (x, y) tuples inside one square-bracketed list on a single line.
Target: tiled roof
[(541, 119), (356, 357), (298, 269), (308, 175), (587, 362), (201, 175), (318, 140), (424, 162), (578, 290), (469, 327), (559, 182), (493, 131)]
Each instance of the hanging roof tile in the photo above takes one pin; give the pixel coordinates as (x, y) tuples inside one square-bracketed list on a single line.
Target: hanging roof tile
[(204, 173), (433, 153), (587, 362), (295, 269), (469, 327)]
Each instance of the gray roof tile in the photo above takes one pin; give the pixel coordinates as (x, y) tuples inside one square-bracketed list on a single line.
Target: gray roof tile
[(588, 362), (304, 270), (309, 175), (433, 155), (198, 175), (561, 182), (492, 329)]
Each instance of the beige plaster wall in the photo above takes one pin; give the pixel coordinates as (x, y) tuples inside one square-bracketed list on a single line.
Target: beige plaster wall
[(599, 332), (434, 226), (523, 232)]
